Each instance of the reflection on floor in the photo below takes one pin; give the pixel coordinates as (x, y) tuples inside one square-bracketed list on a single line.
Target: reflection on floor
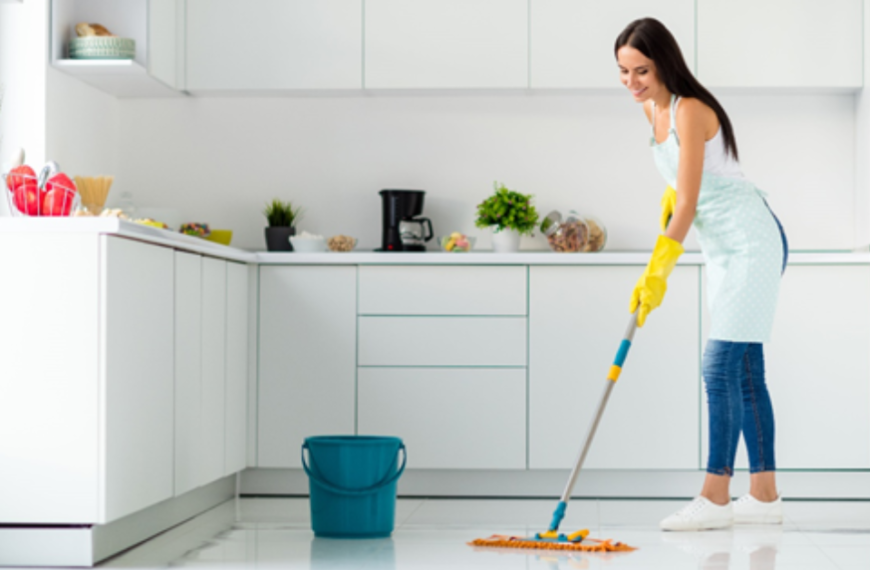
[(275, 533)]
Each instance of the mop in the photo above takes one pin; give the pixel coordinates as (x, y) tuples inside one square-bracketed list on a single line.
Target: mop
[(552, 539)]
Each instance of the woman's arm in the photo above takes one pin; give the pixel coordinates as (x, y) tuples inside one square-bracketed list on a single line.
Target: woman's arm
[(693, 119)]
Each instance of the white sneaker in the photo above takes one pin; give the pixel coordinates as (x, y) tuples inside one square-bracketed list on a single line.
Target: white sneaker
[(700, 514), (749, 510)]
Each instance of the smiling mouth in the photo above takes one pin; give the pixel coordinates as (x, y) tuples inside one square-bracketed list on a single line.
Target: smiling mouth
[(636, 93)]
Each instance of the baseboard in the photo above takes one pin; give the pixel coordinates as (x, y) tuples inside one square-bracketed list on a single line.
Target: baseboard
[(832, 485), (86, 545)]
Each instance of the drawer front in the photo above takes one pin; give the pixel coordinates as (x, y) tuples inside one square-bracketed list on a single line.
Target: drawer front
[(442, 290), (442, 341), (448, 419)]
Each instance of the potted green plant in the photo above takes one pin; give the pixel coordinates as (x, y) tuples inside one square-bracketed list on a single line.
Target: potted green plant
[(282, 217), (510, 215)]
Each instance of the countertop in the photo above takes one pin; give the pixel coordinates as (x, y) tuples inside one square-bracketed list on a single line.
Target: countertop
[(115, 226)]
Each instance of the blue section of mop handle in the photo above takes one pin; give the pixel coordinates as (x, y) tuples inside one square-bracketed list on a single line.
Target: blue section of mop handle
[(558, 515), (622, 353)]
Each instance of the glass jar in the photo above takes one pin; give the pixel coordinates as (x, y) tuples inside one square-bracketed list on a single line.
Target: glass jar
[(574, 232), (565, 235), (597, 235)]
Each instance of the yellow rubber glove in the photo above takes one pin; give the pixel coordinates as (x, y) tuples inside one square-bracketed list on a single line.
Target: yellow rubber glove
[(650, 288), (669, 204)]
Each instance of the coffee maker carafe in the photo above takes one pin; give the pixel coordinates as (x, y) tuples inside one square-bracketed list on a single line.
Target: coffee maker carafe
[(402, 230)]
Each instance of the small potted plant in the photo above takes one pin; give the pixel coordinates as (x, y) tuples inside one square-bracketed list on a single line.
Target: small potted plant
[(510, 215), (281, 216)]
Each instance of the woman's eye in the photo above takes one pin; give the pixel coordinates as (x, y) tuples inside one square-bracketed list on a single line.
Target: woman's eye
[(642, 72)]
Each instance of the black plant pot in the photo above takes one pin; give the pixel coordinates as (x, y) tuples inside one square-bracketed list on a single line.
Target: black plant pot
[(278, 238)]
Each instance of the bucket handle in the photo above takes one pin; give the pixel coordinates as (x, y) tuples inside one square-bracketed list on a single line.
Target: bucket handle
[(353, 492)]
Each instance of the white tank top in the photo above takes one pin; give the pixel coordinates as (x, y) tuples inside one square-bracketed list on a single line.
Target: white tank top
[(717, 161)]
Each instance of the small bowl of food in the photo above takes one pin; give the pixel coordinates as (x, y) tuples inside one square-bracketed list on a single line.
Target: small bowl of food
[(308, 243), (341, 243), (456, 243)]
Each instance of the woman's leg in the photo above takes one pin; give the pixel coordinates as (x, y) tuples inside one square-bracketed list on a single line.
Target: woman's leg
[(758, 426), (722, 379)]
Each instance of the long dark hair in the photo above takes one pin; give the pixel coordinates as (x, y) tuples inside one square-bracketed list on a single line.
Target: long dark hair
[(651, 38)]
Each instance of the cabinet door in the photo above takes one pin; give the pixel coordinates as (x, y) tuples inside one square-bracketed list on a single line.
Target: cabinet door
[(188, 372), (780, 43), (50, 462), (446, 44), (214, 327), (274, 44), (818, 370), (165, 41), (577, 318), (457, 418), (572, 40), (237, 367), (307, 358), (137, 340)]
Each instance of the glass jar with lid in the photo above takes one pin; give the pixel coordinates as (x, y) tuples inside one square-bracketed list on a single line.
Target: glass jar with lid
[(573, 232)]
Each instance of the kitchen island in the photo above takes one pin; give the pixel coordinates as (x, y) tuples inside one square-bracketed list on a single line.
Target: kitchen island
[(147, 376)]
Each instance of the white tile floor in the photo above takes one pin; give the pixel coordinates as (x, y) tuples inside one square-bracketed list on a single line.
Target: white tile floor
[(275, 533)]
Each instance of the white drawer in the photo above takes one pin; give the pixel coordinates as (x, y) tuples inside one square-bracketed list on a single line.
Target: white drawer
[(442, 341), (448, 418), (442, 290)]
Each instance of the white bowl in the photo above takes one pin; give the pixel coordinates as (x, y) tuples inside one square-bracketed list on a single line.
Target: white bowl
[(308, 245)]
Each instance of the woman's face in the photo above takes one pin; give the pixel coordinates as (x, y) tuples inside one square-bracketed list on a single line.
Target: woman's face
[(638, 73)]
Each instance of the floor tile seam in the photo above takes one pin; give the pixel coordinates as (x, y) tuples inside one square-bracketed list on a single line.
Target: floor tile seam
[(412, 513)]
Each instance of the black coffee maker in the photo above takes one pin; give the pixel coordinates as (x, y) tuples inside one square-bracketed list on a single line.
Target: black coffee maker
[(403, 231)]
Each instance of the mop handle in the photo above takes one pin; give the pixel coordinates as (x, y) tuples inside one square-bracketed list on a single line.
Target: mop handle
[(612, 377)]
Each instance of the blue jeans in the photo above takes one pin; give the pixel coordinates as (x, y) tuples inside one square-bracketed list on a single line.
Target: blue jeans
[(738, 401)]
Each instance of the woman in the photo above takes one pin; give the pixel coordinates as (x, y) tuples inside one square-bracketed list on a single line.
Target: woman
[(745, 252)]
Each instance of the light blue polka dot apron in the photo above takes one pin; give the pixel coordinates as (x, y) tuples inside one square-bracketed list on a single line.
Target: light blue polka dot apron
[(742, 244)]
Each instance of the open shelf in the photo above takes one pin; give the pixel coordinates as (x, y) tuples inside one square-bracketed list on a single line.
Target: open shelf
[(119, 77)]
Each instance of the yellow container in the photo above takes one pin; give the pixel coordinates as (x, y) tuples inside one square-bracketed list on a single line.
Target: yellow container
[(220, 236)]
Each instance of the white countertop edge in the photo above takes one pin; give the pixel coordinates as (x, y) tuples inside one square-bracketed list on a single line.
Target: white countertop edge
[(115, 226), (130, 230), (524, 258)]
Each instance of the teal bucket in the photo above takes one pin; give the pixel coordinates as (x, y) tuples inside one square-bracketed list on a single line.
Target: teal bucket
[(352, 481)]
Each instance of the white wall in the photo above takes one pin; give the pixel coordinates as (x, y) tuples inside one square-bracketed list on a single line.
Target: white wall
[(82, 126), (220, 160), (23, 53), (51, 115)]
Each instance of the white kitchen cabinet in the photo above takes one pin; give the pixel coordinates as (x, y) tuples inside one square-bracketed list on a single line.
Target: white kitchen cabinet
[(307, 358), (155, 25), (780, 43), (572, 40), (577, 319), (188, 372), (442, 341), (236, 368), (455, 418), (139, 384), (274, 44), (818, 370), (442, 290), (50, 459), (214, 348), (438, 44)]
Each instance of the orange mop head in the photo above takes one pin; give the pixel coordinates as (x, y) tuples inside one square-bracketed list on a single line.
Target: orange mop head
[(577, 542)]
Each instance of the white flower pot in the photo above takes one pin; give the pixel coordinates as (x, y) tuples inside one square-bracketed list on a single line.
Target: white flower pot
[(506, 241)]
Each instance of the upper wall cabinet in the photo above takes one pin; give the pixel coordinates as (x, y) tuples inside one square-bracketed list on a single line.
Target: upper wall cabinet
[(156, 27), (436, 44), (780, 43), (274, 44), (572, 40)]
